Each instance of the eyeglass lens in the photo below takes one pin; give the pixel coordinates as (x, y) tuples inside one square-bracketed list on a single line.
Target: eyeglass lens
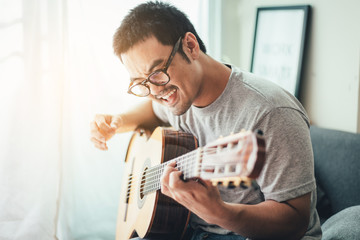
[(140, 90), (158, 78)]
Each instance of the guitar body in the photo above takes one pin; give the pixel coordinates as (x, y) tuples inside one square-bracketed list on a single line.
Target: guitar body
[(152, 214)]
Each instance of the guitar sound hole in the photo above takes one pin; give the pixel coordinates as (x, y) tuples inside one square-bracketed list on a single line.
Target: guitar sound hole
[(144, 187), (142, 184), (128, 187)]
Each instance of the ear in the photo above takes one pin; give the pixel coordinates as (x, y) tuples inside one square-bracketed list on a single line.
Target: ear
[(191, 46)]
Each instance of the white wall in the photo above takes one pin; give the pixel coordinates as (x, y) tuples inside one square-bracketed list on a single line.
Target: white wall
[(330, 85)]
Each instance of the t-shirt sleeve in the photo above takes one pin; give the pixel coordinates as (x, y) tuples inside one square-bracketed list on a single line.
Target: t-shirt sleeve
[(289, 166)]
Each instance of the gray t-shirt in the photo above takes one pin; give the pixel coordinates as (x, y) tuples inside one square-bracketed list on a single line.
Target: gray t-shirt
[(251, 103)]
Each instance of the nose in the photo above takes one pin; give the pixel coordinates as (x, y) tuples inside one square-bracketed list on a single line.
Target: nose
[(155, 90)]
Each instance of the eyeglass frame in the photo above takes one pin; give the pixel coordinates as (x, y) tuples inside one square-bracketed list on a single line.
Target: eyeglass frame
[(163, 70)]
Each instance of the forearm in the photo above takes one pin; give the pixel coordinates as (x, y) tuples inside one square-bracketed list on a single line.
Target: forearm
[(142, 116), (267, 220)]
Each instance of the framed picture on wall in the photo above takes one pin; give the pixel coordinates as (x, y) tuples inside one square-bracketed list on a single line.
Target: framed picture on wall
[(279, 40)]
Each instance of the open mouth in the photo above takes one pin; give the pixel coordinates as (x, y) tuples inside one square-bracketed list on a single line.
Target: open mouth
[(168, 95), (169, 98)]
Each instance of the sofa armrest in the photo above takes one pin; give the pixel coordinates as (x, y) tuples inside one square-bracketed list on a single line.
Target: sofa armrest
[(344, 225), (337, 166)]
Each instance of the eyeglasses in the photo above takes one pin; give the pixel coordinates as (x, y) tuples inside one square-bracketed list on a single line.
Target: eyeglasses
[(159, 77)]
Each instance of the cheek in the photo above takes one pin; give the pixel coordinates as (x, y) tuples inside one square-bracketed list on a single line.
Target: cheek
[(183, 77), (188, 88)]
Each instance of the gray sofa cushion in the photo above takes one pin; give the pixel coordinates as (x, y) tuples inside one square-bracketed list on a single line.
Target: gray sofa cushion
[(344, 225), (337, 166)]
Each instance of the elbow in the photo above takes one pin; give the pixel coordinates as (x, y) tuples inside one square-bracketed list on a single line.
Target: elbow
[(303, 228), (300, 226), (299, 216)]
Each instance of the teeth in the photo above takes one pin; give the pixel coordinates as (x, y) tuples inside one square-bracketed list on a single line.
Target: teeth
[(169, 94)]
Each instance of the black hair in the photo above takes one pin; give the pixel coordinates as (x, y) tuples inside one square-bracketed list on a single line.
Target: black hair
[(161, 20)]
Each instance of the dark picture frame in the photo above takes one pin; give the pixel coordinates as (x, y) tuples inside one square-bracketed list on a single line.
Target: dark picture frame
[(278, 47)]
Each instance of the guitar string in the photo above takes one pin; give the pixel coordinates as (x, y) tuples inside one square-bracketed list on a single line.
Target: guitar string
[(186, 156), (179, 160), (156, 171), (153, 171), (150, 187), (152, 184)]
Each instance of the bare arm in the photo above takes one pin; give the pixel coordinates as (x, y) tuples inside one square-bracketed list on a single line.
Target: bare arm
[(267, 220), (142, 116), (104, 127)]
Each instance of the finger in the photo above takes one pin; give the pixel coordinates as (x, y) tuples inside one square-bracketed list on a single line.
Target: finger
[(164, 179), (172, 164), (95, 140), (167, 170), (164, 190), (95, 133), (181, 198), (206, 183), (174, 188), (175, 181), (98, 135), (102, 122), (93, 126), (101, 146), (184, 192), (116, 122)]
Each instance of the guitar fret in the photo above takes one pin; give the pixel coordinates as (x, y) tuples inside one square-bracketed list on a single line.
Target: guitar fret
[(184, 164), (191, 164)]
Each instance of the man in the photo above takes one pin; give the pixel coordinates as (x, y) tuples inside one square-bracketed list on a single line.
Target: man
[(192, 92)]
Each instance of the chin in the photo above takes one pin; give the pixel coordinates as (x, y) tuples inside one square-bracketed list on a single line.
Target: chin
[(178, 111)]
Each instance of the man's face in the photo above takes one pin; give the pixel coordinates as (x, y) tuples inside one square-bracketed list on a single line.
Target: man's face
[(150, 55)]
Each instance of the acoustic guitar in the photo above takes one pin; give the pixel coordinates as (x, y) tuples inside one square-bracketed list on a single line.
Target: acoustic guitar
[(233, 161)]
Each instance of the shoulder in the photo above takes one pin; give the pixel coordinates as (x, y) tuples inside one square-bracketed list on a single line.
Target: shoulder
[(258, 91)]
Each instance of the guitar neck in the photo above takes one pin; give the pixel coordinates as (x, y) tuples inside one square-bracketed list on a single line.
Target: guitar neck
[(188, 164), (228, 161)]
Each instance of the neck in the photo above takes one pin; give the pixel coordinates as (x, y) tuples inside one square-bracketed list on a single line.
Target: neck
[(215, 77)]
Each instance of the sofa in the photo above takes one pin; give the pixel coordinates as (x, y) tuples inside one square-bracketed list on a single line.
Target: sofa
[(337, 172)]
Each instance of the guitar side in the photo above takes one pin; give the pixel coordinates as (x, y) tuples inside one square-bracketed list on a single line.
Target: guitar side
[(152, 214)]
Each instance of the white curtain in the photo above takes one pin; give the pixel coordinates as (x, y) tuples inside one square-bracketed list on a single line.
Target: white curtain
[(57, 70), (31, 98)]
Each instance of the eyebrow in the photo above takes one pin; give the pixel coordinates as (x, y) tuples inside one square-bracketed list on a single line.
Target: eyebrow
[(151, 69)]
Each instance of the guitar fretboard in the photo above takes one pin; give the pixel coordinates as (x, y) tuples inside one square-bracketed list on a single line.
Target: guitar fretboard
[(222, 163), (186, 163)]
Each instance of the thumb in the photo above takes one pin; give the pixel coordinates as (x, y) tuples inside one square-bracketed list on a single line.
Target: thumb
[(116, 122)]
